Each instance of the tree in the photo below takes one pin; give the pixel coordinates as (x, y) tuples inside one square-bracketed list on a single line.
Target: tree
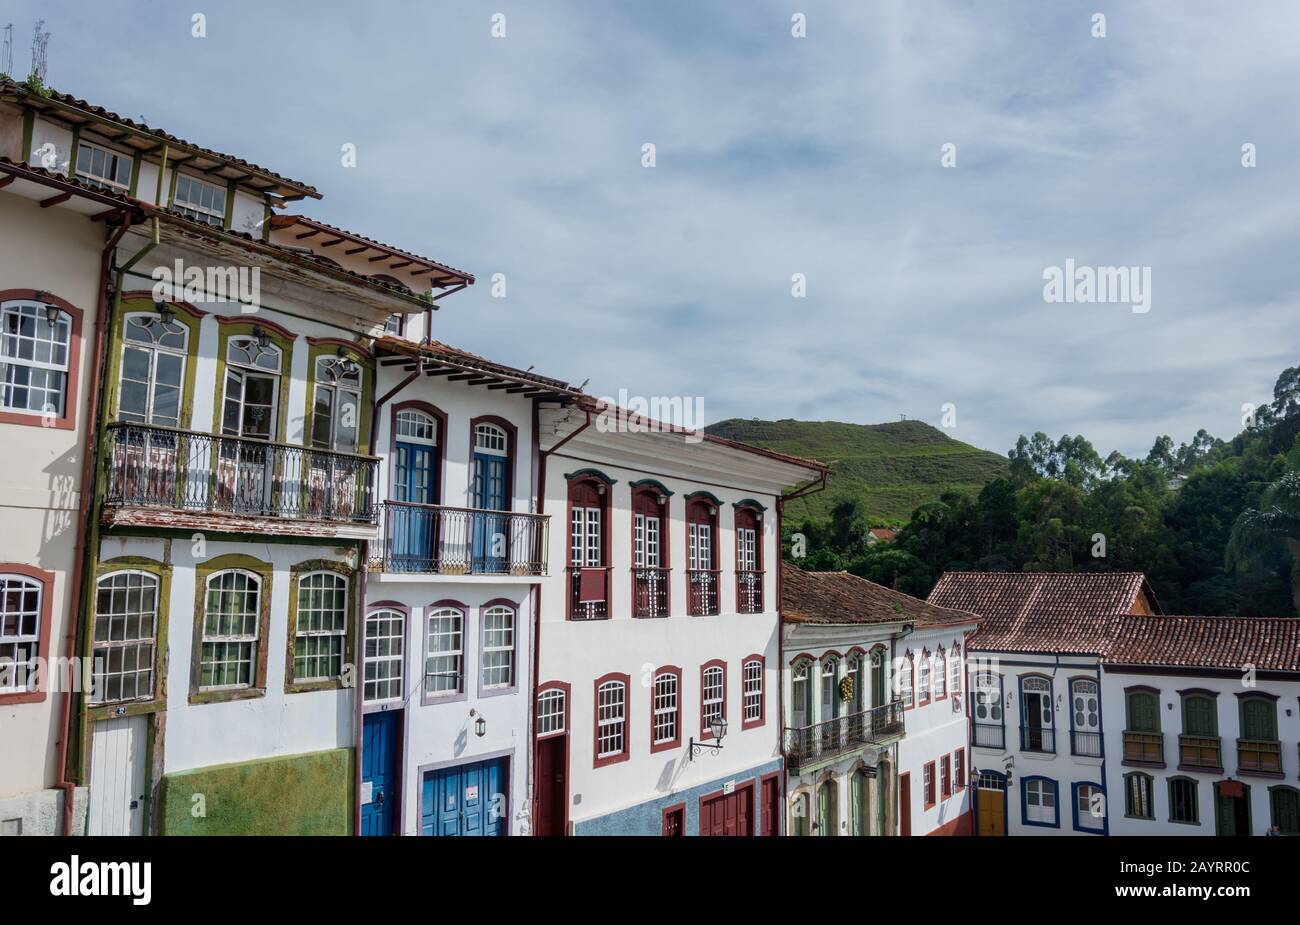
[(1276, 522)]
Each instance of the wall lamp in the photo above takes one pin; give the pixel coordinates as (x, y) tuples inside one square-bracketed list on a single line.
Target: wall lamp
[(165, 312), (263, 339), (480, 724), (717, 726)]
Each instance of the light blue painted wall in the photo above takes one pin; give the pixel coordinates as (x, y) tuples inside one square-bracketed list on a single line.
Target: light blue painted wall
[(647, 818)]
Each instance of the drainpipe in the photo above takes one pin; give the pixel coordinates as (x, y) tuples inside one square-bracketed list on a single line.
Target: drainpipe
[(89, 468)]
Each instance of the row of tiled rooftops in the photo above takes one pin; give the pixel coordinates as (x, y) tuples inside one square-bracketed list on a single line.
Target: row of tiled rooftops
[(1113, 615)]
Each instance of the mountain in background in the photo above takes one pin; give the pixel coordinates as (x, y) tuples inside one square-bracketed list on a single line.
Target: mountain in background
[(889, 469)]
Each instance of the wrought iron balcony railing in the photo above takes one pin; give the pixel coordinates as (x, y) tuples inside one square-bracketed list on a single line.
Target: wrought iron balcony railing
[(1259, 756), (702, 592), (589, 592), (1145, 748), (990, 735), (1038, 739), (1085, 744), (650, 591), (807, 744), (437, 540), (182, 470), (1200, 753), (749, 592)]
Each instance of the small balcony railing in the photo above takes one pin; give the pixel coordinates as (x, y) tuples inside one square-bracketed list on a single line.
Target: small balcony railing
[(749, 592), (589, 593), (1146, 748), (702, 592), (1085, 744), (182, 470), (1038, 739), (1259, 756), (807, 744), (438, 540), (650, 591), (990, 735), (1199, 753)]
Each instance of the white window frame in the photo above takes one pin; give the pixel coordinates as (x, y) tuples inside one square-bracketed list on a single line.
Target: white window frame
[(611, 715), (444, 657), (713, 696), (494, 648), (491, 439), (1041, 798), (43, 335), (14, 674), (103, 180), (751, 673), (552, 704), (377, 669), (940, 674), (415, 426), (667, 708), (333, 636), (194, 208), (154, 349), (223, 641)]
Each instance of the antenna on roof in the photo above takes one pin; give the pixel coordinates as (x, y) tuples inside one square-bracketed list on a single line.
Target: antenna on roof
[(584, 383), (40, 47), (7, 52)]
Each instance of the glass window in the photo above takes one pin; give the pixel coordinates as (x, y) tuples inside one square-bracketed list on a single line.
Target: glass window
[(33, 358), (321, 627), (1090, 806), (830, 694), (1284, 802), (102, 168), (1182, 800), (153, 370), (228, 657), (940, 674), (1040, 801), (715, 696), (1137, 796), (204, 202), (905, 680), (443, 666), (20, 630), (753, 673), (385, 633), (923, 680), (550, 712), (126, 627), (498, 647), (336, 412), (611, 719), (666, 708)]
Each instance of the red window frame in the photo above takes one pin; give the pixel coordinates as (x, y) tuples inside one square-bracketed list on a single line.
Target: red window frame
[(44, 628), (746, 723), (939, 662), (959, 768), (749, 516), (67, 420), (697, 512), (645, 498), (927, 784), (945, 777), (909, 701), (922, 696), (596, 760), (676, 742), (705, 733), (603, 489)]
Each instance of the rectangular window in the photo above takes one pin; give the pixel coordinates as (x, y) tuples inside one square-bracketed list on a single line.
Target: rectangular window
[(928, 783), (201, 201), (230, 631), (126, 627), (321, 627), (666, 708), (1137, 796), (385, 635), (611, 719), (959, 768), (940, 676), (1090, 806), (33, 358), (102, 168), (945, 777), (20, 630), (498, 647), (1040, 801), (746, 549), (714, 704), (550, 712), (1183, 804), (753, 691), (443, 665)]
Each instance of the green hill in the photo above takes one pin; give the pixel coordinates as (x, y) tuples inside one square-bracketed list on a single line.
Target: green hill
[(890, 469)]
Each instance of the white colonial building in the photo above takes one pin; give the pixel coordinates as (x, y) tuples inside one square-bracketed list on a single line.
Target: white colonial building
[(658, 691)]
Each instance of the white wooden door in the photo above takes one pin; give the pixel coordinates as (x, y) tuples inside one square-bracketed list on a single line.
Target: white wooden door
[(117, 788)]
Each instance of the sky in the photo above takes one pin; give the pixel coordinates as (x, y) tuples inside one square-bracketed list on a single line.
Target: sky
[(780, 158)]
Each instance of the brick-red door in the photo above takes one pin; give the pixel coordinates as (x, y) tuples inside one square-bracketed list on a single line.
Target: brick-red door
[(552, 788), (771, 803), (728, 814), (905, 804)]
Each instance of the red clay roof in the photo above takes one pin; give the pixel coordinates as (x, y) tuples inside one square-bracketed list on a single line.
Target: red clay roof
[(843, 598), (454, 356), (1044, 611), (1231, 643), (279, 222)]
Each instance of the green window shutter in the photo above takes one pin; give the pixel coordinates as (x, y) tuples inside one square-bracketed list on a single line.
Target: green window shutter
[(1143, 712), (1286, 810), (1198, 716), (1227, 818), (855, 791), (1258, 719), (824, 809)]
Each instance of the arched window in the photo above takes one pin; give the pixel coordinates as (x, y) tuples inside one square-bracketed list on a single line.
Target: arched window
[(230, 634), (800, 711), (666, 710), (126, 630), (650, 572), (251, 405), (830, 701), (1036, 713), (552, 710), (905, 680), (35, 353), (1085, 717), (321, 625), (879, 679), (385, 636), (336, 412), (611, 719), (954, 671), (498, 658), (923, 678), (828, 813), (749, 559), (490, 439), (752, 676), (153, 370), (24, 620), (940, 674), (702, 556), (444, 661), (853, 671), (713, 697)]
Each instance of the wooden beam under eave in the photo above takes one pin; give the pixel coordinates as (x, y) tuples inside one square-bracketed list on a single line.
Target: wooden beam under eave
[(6, 180), (105, 215), (522, 390), (380, 257), (332, 243), (308, 234), (55, 200), (357, 250), (400, 264), (422, 272), (445, 371)]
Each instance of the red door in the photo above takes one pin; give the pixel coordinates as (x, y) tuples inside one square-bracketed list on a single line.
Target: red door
[(552, 788), (728, 814), (771, 802), (905, 804), (674, 825)]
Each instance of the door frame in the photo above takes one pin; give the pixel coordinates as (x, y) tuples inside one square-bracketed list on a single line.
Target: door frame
[(507, 753), (1002, 778), (1245, 798), (399, 756), (147, 820), (753, 805), (778, 815), (663, 818)]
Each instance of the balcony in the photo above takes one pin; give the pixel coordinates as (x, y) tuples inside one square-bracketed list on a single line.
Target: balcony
[(702, 592), (589, 593), (1259, 756), (1038, 739), (1144, 748), (1085, 744), (650, 592), (749, 592), (1200, 753), (431, 539), (990, 735), (807, 745), (276, 486)]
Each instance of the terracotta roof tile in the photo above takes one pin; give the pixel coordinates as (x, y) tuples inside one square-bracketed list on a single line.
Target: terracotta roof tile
[(1268, 643), (1043, 611), (840, 597), (280, 222)]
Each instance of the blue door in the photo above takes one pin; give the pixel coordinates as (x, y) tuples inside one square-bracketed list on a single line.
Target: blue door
[(468, 799), (490, 539), (378, 772), (411, 529)]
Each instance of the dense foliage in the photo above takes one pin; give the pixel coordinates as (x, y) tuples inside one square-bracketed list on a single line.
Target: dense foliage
[(1215, 525)]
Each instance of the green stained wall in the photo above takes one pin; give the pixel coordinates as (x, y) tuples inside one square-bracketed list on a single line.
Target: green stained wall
[(293, 795)]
